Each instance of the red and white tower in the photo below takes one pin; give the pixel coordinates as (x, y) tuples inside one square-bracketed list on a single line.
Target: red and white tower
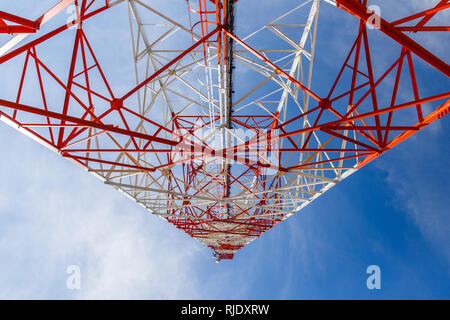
[(223, 135)]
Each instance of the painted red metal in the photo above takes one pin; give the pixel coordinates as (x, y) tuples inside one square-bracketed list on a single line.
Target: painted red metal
[(21, 25)]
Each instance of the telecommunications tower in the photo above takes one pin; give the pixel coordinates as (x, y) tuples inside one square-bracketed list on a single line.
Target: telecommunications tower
[(223, 130)]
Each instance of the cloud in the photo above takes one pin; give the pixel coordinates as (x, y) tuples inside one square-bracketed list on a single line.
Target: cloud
[(56, 215), (420, 184)]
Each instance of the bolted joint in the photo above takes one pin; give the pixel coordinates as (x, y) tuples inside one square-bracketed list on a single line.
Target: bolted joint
[(325, 104), (116, 104), (444, 111)]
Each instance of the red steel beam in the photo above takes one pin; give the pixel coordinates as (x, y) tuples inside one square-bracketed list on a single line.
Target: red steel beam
[(49, 35), (19, 20), (87, 123), (361, 11)]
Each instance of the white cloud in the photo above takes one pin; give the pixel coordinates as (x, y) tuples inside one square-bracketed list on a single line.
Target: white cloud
[(57, 215), (420, 185)]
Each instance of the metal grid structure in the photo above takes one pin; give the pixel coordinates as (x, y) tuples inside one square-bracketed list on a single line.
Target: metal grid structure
[(218, 159)]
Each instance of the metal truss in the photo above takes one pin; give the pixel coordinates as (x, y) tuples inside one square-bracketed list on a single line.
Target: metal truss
[(222, 136)]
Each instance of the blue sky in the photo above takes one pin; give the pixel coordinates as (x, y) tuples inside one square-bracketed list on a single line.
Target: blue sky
[(392, 213)]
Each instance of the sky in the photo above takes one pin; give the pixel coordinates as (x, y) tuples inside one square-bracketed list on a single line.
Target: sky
[(392, 213)]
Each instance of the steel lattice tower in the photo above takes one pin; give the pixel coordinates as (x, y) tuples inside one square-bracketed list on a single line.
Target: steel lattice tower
[(223, 136)]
